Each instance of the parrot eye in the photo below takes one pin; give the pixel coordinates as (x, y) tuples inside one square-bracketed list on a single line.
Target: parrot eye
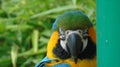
[(80, 31), (86, 30), (68, 31)]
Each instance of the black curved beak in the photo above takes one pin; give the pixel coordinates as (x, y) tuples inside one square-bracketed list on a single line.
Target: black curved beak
[(74, 46)]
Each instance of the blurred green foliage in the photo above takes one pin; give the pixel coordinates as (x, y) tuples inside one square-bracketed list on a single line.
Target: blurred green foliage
[(25, 27)]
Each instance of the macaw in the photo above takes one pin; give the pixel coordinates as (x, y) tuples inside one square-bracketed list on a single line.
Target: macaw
[(72, 43)]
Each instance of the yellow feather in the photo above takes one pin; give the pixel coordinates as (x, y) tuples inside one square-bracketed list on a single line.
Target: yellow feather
[(51, 44), (81, 63)]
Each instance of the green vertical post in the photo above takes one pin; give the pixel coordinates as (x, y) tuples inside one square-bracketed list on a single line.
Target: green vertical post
[(108, 33)]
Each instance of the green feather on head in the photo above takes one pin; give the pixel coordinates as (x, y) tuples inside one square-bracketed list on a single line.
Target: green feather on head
[(72, 20)]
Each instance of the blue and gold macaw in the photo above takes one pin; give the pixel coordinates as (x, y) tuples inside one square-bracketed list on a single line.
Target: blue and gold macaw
[(72, 43)]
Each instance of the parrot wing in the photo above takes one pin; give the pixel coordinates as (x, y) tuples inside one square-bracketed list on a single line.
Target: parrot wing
[(47, 60), (42, 63)]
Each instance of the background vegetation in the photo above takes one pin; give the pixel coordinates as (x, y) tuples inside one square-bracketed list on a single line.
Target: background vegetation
[(25, 27)]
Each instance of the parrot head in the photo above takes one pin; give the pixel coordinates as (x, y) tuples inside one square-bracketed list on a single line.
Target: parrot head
[(74, 40)]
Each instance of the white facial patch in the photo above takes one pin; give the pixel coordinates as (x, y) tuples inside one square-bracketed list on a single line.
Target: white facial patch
[(85, 42), (63, 44), (66, 34)]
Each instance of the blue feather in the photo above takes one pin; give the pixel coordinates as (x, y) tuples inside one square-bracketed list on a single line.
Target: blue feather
[(62, 65), (42, 63), (47, 60)]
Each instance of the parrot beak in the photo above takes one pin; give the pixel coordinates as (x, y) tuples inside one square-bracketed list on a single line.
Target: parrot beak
[(74, 46)]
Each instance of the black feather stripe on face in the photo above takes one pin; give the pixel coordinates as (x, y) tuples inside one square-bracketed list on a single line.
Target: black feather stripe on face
[(88, 53), (60, 52), (90, 50)]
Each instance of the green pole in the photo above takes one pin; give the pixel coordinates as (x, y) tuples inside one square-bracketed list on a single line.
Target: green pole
[(108, 33)]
